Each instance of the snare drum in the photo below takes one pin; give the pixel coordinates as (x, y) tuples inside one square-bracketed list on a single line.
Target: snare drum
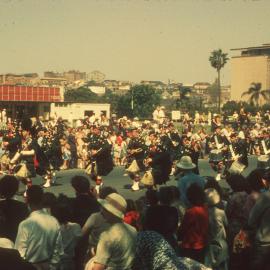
[(263, 162), (216, 156), (236, 167)]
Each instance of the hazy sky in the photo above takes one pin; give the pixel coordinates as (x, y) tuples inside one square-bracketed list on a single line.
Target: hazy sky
[(128, 40)]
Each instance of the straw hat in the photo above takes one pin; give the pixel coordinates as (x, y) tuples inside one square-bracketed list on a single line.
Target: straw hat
[(212, 196), (115, 204), (185, 163)]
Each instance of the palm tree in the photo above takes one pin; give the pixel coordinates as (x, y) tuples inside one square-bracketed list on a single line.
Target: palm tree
[(255, 92), (218, 59)]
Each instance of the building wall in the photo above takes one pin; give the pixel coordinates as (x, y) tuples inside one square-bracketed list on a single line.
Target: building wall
[(246, 70), (75, 111)]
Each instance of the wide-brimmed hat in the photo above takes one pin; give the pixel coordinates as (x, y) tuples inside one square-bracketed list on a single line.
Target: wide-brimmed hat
[(185, 163), (115, 204), (212, 196)]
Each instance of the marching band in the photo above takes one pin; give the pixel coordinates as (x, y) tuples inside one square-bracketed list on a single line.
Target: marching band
[(148, 150)]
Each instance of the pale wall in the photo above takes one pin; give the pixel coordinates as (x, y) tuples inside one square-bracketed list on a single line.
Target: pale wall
[(246, 70), (75, 111)]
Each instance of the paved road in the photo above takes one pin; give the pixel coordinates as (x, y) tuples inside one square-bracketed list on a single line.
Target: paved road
[(122, 183)]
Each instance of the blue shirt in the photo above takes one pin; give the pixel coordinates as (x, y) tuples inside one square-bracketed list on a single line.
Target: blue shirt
[(185, 182)]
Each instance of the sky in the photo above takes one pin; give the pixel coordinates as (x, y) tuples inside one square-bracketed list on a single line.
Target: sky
[(129, 40)]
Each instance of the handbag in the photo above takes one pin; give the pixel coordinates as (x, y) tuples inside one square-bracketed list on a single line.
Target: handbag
[(148, 179), (133, 167), (23, 172), (240, 242)]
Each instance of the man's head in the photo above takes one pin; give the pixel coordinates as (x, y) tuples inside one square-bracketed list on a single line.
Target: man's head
[(34, 196), (80, 184), (113, 207), (8, 186)]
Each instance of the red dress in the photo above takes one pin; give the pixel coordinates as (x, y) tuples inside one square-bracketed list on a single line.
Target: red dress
[(194, 228)]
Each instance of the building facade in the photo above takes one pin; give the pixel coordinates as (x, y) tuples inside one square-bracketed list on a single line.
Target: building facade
[(252, 66)]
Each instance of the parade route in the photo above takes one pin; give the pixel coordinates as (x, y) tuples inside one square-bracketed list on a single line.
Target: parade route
[(122, 183)]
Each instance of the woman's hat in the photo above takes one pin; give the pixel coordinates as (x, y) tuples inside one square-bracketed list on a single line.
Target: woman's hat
[(212, 196), (115, 204), (186, 163)]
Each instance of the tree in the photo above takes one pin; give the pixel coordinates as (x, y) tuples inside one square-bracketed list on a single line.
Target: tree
[(231, 106), (184, 96), (145, 99), (213, 92), (81, 94), (218, 59), (111, 98), (255, 92)]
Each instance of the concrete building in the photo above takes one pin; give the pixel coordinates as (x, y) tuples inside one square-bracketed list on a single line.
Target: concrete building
[(253, 65), (96, 76), (20, 101), (74, 75)]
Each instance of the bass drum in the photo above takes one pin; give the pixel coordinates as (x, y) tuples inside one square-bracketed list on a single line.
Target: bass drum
[(216, 156), (263, 162)]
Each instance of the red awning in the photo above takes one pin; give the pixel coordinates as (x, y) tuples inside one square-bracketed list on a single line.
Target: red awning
[(29, 93)]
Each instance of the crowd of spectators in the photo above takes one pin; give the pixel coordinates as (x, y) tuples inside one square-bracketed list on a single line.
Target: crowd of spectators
[(196, 227)]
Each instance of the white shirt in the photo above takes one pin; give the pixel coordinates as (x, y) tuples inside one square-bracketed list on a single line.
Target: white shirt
[(39, 238), (116, 247), (96, 224)]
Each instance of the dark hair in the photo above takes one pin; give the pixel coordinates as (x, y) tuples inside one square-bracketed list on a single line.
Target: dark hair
[(35, 195), (62, 209), (213, 183), (254, 180), (195, 195), (237, 182), (176, 195), (105, 191), (131, 205), (151, 197), (165, 195), (49, 199), (162, 219), (80, 184), (8, 186)]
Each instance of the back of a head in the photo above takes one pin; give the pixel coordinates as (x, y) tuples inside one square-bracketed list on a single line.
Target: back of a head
[(160, 218), (151, 197), (81, 184), (195, 195), (49, 199), (254, 180), (8, 186), (131, 206), (165, 195), (211, 182), (175, 193), (35, 195), (237, 182), (105, 191), (61, 210)]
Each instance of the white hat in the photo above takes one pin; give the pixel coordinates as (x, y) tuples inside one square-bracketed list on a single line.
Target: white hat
[(186, 163), (115, 204), (212, 196)]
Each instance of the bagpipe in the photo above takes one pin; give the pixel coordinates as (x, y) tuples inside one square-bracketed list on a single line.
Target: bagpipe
[(17, 165), (91, 168)]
